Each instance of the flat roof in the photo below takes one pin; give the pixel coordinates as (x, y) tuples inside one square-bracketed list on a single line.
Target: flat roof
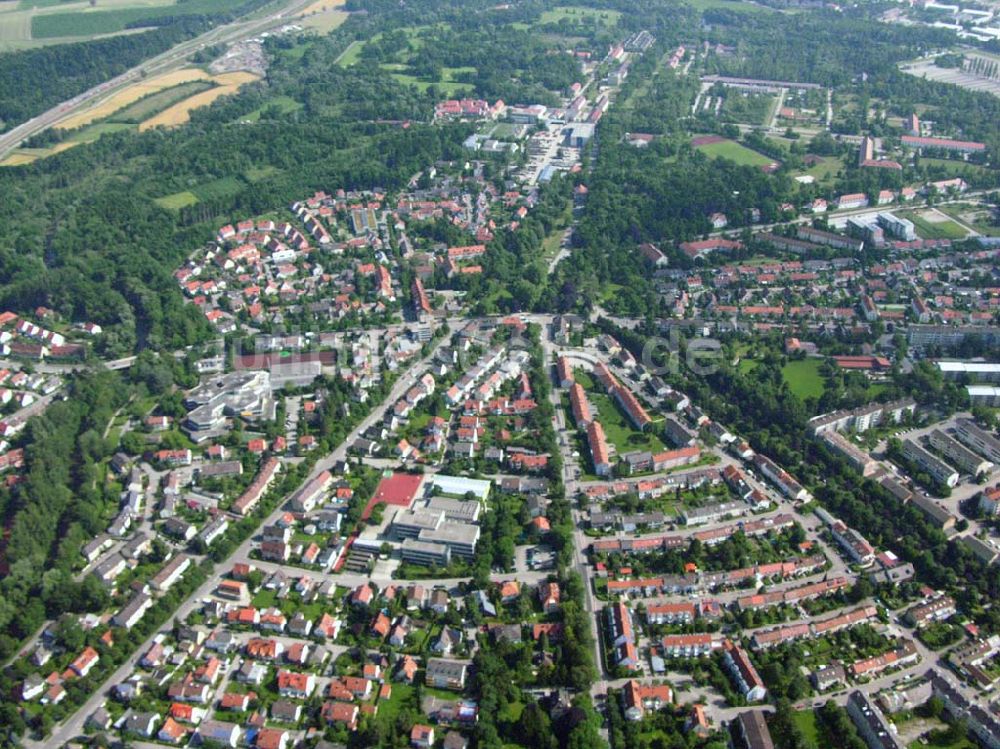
[(417, 518), (983, 390), (466, 510), (970, 367), (451, 533), (460, 485)]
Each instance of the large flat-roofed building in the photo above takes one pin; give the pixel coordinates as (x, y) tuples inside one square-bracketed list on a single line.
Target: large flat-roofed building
[(948, 336), (410, 523), (871, 724), (937, 468), (978, 439), (459, 486), (973, 371), (425, 553), (957, 453), (460, 538), (863, 418), (246, 394), (897, 227), (455, 510), (984, 395)]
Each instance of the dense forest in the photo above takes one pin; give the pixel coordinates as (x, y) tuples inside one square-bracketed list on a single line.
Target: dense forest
[(80, 232), (32, 81)]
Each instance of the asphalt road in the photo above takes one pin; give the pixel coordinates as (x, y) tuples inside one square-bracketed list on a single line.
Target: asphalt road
[(173, 57), (73, 726)]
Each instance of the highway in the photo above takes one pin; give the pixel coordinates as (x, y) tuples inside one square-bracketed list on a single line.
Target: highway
[(172, 58)]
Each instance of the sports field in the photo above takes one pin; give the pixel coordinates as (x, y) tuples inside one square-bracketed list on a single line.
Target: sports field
[(729, 149), (934, 225)]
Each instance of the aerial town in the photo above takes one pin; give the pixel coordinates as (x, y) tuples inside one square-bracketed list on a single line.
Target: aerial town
[(642, 394)]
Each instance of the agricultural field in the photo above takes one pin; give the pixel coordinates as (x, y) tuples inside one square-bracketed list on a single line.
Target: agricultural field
[(323, 15), (130, 95), (15, 24), (933, 224), (729, 149), (320, 6), (804, 378), (84, 20), (326, 21), (155, 103), (180, 113), (165, 100)]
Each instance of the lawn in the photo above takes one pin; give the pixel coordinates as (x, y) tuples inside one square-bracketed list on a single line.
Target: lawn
[(825, 170), (728, 5), (403, 695), (574, 14), (955, 167), (729, 149), (258, 173), (177, 201), (218, 188), (805, 720), (803, 378), (284, 104), (352, 54), (446, 84), (265, 598), (618, 429), (976, 216), (927, 229), (936, 741)]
